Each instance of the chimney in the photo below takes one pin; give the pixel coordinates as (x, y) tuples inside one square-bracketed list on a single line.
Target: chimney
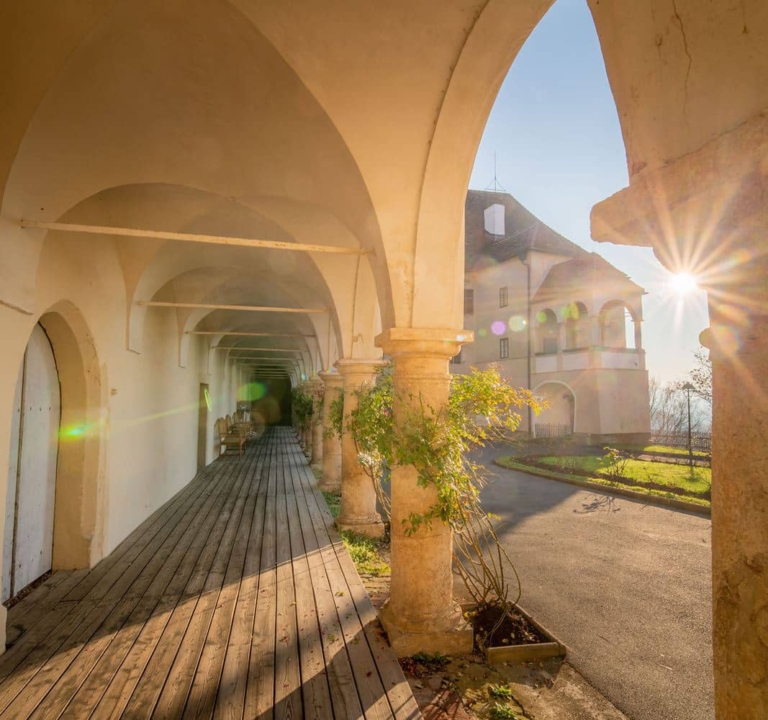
[(494, 219)]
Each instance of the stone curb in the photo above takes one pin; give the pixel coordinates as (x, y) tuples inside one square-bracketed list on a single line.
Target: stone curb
[(609, 490)]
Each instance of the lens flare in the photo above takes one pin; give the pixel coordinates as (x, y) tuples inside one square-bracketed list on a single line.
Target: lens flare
[(683, 283), (498, 327), (516, 323)]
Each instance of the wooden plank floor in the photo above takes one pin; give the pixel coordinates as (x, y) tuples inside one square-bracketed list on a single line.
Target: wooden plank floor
[(234, 600)]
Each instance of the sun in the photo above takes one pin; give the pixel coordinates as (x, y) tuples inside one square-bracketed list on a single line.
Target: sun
[(683, 283)]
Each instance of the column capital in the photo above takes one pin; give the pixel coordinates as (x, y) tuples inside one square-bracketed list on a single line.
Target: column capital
[(331, 379), (426, 342), (359, 366)]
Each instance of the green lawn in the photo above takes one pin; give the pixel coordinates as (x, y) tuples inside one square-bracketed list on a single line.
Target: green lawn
[(682, 484), (697, 480), (668, 449)]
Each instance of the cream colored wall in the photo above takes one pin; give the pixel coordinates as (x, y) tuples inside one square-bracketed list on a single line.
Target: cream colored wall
[(149, 404), (620, 390), (486, 284)]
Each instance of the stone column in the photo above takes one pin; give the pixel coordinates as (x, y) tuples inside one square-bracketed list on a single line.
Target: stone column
[(705, 214), (358, 496), (739, 353), (595, 334), (420, 615), (316, 390), (331, 444)]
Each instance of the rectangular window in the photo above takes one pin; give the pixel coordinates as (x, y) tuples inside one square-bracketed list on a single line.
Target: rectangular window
[(550, 345), (504, 348), (457, 359), (469, 302), (503, 297)]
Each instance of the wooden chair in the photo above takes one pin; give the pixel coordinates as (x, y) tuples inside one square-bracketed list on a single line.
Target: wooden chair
[(229, 437)]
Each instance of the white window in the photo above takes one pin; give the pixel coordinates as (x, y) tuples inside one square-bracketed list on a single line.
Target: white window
[(469, 302)]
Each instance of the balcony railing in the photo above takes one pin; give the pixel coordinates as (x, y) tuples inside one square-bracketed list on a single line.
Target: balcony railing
[(590, 358)]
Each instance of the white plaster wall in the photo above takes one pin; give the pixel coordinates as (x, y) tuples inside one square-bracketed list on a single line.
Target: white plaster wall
[(149, 404)]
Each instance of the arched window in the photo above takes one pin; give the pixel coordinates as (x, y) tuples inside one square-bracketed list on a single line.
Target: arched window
[(576, 326), (617, 326), (547, 331)]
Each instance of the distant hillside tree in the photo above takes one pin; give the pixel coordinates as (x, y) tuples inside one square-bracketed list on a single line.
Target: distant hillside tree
[(701, 375), (669, 410)]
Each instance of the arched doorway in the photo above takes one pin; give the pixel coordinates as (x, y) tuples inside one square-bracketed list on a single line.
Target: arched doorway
[(31, 494), (52, 502), (559, 417)]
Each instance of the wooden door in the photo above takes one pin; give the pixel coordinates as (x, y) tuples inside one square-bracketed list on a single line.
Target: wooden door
[(202, 425), (28, 540)]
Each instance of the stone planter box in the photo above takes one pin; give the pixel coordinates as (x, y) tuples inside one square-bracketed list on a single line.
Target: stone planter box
[(524, 653)]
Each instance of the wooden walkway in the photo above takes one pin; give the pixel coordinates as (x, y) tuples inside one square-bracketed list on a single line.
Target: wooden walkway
[(234, 600)]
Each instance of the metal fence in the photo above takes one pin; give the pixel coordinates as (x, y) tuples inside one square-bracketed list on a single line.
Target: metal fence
[(700, 442), (552, 430)]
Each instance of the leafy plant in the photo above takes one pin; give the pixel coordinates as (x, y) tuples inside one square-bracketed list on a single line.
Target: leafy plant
[(303, 407), (482, 407), (364, 552), (614, 462), (335, 417), (333, 501), (500, 691), (499, 711), (433, 662)]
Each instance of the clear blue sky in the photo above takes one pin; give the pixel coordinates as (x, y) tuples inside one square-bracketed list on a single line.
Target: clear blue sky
[(559, 151)]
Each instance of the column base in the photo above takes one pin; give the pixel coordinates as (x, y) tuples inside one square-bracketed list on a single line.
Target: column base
[(330, 485), (452, 637), (370, 526)]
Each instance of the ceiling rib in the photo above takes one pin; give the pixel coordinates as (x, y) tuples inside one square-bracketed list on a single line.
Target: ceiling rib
[(215, 306), (191, 237)]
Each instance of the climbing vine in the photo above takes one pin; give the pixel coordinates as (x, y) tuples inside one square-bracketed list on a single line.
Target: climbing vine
[(335, 417), (302, 407), (482, 407)]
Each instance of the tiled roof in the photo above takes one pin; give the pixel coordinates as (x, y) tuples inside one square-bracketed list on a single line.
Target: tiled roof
[(582, 273), (523, 231)]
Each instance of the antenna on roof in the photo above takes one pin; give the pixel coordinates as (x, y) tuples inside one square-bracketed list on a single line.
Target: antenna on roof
[(495, 185)]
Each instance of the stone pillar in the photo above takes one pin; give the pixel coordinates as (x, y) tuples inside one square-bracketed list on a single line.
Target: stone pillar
[(705, 214), (420, 615), (317, 389), (595, 334), (739, 353), (331, 443), (358, 496)]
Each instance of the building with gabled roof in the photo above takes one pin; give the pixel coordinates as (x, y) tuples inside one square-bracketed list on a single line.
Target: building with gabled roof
[(555, 318)]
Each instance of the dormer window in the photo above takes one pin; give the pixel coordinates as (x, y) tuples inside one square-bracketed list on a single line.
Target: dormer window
[(494, 220)]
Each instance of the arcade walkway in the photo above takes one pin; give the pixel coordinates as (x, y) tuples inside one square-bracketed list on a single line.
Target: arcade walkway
[(235, 599)]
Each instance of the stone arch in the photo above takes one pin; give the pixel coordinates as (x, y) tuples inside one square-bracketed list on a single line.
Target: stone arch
[(562, 406), (577, 329), (614, 331), (547, 331), (78, 518)]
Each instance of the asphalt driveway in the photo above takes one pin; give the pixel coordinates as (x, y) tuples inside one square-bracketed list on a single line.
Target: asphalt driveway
[(626, 586)]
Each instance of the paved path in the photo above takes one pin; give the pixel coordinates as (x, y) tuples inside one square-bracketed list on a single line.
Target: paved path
[(626, 586)]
